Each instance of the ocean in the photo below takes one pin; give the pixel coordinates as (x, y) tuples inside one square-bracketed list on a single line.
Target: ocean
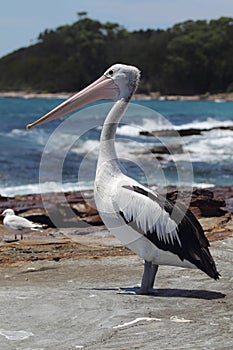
[(62, 155)]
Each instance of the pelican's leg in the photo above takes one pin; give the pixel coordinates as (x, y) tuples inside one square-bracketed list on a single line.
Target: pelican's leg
[(154, 269), (148, 278), (147, 284)]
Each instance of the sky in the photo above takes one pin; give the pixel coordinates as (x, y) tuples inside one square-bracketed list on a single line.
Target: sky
[(21, 21)]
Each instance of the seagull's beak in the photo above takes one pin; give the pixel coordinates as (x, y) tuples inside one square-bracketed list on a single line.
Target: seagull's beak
[(102, 88)]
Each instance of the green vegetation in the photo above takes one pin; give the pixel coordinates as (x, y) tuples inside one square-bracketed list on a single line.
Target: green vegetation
[(193, 57)]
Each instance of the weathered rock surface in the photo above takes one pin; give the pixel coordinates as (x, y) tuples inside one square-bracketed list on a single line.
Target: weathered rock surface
[(202, 204), (59, 288), (74, 209), (77, 218), (74, 304)]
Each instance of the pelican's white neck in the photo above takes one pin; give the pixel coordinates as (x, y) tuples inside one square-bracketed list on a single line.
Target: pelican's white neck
[(126, 79), (107, 152)]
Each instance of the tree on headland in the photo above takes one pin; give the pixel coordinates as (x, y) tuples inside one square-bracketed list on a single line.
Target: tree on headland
[(192, 57), (81, 14)]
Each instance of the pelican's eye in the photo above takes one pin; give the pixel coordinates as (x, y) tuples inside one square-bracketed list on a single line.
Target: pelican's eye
[(110, 72)]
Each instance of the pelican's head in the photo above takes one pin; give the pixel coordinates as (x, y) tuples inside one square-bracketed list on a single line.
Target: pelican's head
[(125, 77), (8, 212), (119, 81)]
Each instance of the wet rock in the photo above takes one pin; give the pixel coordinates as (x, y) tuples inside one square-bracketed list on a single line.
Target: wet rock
[(169, 149), (181, 132), (69, 209), (84, 207), (77, 209), (39, 219), (172, 133), (207, 205), (202, 203), (162, 149), (93, 220), (217, 228)]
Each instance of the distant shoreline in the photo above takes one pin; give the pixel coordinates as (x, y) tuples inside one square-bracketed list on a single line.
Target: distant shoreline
[(221, 97)]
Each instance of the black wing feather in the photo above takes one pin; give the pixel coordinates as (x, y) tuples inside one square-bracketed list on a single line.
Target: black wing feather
[(193, 245)]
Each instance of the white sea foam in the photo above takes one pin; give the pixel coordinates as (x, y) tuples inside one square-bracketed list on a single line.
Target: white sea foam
[(209, 123), (163, 124), (45, 188), (125, 148), (202, 185), (213, 146), (23, 132), (128, 130), (17, 132), (147, 125), (210, 147), (69, 187), (88, 148), (159, 123)]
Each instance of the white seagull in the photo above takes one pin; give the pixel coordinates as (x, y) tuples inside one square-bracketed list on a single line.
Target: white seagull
[(159, 231), (18, 224)]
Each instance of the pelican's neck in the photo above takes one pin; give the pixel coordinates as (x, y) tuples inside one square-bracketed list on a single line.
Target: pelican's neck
[(107, 152)]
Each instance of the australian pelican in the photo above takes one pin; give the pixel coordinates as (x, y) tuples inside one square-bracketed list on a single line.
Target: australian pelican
[(160, 232)]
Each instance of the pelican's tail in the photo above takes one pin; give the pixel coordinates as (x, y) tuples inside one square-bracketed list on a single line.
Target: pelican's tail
[(207, 264)]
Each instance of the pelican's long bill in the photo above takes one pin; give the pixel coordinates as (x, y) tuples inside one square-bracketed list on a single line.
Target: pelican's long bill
[(102, 88)]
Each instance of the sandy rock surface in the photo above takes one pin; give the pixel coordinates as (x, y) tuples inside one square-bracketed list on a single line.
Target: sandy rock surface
[(75, 304), (59, 288)]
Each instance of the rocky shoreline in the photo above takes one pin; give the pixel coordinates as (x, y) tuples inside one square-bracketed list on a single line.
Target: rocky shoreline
[(79, 232), (182, 132), (220, 97)]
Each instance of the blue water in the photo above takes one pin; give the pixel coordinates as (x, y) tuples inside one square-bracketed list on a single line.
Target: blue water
[(206, 159)]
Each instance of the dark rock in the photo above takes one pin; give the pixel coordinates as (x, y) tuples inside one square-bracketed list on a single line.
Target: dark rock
[(181, 132), (169, 149), (159, 158), (93, 220), (172, 133), (162, 149), (77, 209), (84, 207), (40, 219), (208, 207), (202, 204)]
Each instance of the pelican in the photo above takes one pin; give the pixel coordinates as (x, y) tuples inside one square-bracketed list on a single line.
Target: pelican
[(159, 231), (18, 224)]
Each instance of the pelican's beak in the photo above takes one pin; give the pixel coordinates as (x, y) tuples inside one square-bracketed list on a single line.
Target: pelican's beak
[(102, 88)]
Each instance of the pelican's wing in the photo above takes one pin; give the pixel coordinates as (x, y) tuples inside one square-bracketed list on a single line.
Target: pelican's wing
[(170, 227)]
